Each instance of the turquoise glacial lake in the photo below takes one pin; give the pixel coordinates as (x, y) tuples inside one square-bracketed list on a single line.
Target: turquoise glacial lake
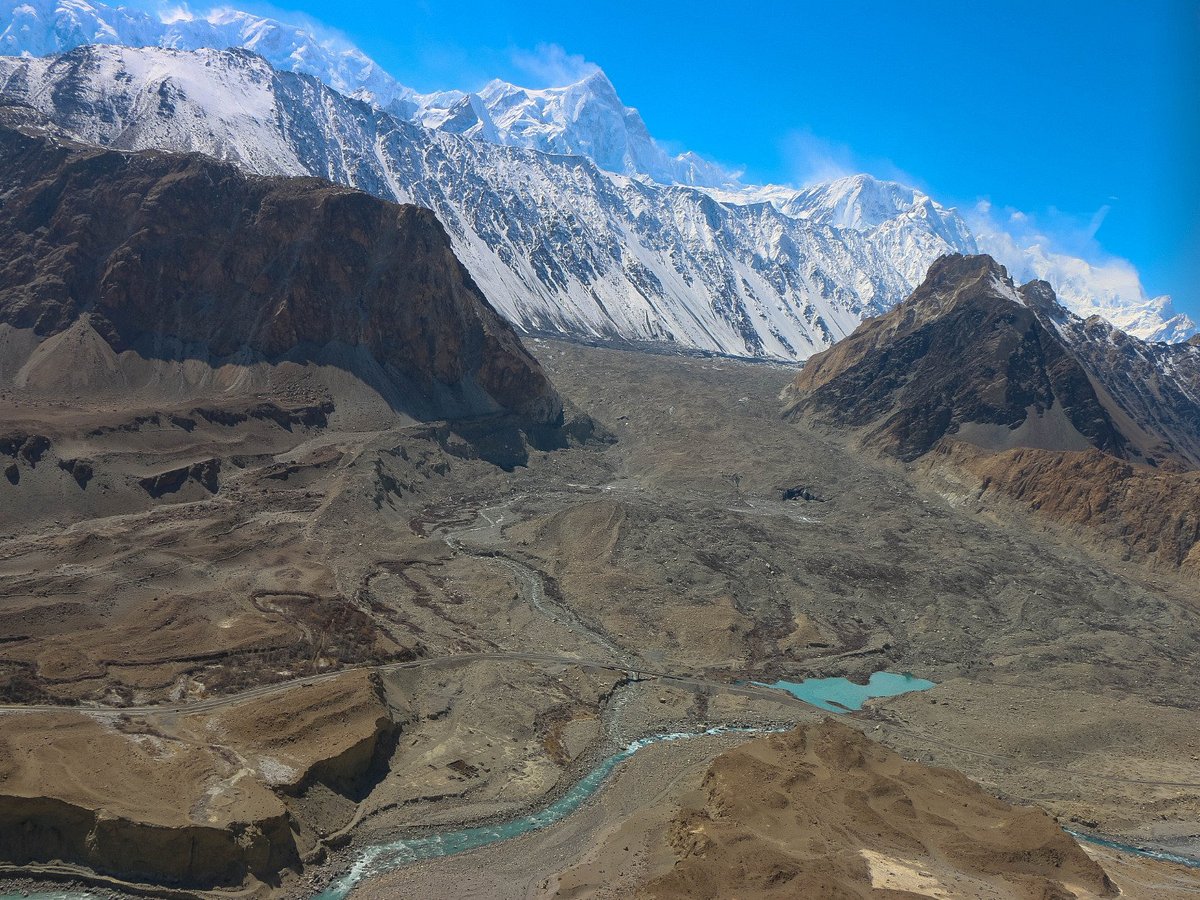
[(839, 695)]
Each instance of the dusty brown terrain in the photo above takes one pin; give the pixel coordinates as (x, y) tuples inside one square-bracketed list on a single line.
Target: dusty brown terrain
[(509, 608), (301, 549), (822, 811), (185, 798), (618, 845), (1140, 512)]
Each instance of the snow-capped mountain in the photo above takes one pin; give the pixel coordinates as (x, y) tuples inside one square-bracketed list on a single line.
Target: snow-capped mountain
[(587, 119), (863, 203), (45, 27), (556, 243), (866, 204), (905, 222)]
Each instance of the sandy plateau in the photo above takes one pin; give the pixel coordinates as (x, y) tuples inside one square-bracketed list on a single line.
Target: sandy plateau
[(233, 679)]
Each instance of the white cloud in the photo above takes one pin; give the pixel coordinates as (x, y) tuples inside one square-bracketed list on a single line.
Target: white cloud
[(810, 159), (549, 65), (1052, 231), (1050, 228), (169, 15), (1063, 250)]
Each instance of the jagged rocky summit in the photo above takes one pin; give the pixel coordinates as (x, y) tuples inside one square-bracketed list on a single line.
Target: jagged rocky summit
[(1070, 417)]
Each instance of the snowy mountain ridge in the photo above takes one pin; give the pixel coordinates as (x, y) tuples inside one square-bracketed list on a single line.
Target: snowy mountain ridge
[(588, 119), (557, 244)]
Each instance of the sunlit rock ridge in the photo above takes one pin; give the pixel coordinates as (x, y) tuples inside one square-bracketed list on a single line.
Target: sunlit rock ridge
[(564, 208)]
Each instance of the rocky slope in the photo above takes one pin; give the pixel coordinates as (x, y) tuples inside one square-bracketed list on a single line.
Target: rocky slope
[(824, 812), (157, 274), (1145, 513), (161, 804), (1070, 417), (1155, 385)]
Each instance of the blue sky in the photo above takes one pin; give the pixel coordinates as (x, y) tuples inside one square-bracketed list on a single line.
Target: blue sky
[(1082, 116)]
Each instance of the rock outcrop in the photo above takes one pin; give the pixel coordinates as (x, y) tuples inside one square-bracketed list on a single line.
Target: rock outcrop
[(961, 353), (167, 806), (134, 803), (40, 830)]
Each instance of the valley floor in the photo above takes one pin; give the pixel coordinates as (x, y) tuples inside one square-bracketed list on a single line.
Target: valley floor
[(523, 625)]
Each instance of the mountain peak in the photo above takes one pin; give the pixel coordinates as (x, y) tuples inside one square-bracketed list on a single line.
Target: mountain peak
[(593, 83), (966, 357), (588, 118), (962, 268), (969, 357), (597, 78), (860, 202)]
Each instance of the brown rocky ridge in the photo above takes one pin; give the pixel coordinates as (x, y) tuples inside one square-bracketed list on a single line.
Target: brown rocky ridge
[(161, 275), (822, 811), (1069, 418)]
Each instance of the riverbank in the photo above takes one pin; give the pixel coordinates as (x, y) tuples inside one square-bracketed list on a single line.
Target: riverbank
[(604, 849)]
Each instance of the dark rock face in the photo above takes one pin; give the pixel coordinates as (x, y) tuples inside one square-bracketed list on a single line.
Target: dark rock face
[(205, 473), (26, 447), (180, 257), (79, 469), (36, 830), (962, 350), (800, 492), (316, 416)]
